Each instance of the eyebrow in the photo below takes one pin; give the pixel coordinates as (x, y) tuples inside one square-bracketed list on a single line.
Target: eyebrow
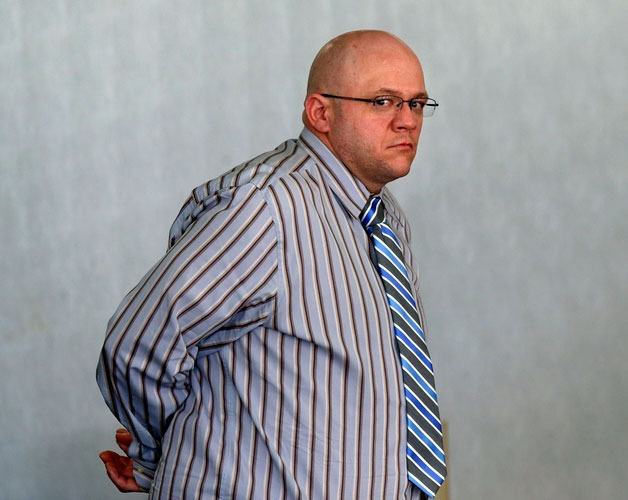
[(389, 91)]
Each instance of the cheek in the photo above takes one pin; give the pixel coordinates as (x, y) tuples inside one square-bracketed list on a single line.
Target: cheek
[(419, 127), (372, 138), (357, 139)]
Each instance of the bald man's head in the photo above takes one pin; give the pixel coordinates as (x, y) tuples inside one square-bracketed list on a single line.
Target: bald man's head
[(338, 61), (376, 143)]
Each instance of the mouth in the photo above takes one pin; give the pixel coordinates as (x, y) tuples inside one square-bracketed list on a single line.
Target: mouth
[(403, 146)]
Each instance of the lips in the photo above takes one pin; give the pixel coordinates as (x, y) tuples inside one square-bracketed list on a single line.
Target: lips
[(403, 145)]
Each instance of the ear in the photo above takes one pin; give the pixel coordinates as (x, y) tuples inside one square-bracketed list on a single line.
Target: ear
[(318, 113)]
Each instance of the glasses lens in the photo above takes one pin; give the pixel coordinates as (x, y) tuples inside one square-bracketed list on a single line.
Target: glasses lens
[(387, 103), (429, 108)]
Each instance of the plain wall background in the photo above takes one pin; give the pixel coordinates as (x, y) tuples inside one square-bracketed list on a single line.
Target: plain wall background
[(111, 111)]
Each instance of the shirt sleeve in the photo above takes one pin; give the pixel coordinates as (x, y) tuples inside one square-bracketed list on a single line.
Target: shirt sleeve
[(215, 284)]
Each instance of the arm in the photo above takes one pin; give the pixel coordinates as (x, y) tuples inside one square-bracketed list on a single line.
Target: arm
[(223, 264)]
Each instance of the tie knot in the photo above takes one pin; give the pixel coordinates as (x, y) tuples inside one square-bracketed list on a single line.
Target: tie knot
[(373, 213)]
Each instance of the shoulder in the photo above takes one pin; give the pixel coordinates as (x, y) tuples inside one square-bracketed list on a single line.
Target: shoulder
[(243, 187), (258, 171)]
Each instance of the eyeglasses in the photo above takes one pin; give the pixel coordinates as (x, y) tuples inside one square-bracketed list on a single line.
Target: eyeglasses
[(389, 104)]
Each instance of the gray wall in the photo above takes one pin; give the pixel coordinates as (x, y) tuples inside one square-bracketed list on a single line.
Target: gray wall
[(111, 111)]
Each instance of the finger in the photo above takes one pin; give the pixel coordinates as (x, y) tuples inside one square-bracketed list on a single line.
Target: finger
[(120, 471), (115, 462), (107, 456), (109, 459), (124, 439)]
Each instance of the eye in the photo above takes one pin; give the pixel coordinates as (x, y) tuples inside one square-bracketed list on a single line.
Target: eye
[(383, 101), (417, 103)]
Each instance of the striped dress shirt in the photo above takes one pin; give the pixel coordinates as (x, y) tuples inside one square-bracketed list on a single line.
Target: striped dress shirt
[(256, 359)]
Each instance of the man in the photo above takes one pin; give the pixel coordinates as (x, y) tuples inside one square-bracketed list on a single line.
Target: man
[(276, 351)]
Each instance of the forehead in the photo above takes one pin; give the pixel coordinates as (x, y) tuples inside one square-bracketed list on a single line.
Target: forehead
[(393, 69)]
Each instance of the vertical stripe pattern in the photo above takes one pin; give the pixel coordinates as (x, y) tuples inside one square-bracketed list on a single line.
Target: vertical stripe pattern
[(248, 363), (425, 453)]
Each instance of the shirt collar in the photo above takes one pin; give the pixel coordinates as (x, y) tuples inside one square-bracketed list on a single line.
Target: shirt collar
[(347, 188)]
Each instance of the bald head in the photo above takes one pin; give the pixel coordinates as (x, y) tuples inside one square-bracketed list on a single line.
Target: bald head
[(339, 61), (376, 143)]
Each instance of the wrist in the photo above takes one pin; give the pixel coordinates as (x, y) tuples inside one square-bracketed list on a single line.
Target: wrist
[(143, 475)]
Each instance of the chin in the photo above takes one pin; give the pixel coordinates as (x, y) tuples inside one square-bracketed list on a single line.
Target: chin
[(398, 171)]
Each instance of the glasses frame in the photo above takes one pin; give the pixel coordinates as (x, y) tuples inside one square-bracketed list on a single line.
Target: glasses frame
[(431, 103)]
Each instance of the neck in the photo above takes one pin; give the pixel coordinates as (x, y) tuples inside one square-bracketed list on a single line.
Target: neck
[(373, 188)]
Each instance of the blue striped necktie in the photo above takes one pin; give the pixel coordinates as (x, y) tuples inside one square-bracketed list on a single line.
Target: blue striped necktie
[(425, 453)]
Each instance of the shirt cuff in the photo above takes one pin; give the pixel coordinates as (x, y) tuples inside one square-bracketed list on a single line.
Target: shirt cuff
[(143, 475)]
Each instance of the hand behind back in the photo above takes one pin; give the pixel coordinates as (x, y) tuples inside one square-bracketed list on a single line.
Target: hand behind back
[(120, 468)]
